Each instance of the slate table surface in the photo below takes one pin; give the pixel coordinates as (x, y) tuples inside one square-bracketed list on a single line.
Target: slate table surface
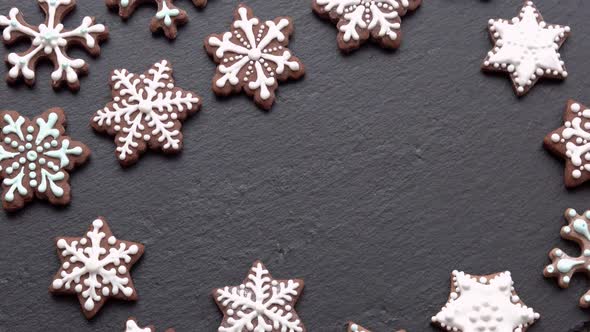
[(372, 178)]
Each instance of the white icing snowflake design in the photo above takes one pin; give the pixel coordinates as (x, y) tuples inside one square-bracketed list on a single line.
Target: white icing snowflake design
[(260, 304), (253, 56), (35, 157), (486, 304), (572, 142), (359, 20), (147, 110), (527, 48), (50, 40), (96, 267)]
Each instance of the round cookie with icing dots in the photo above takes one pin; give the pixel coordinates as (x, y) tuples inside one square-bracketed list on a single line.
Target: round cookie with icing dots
[(51, 41), (361, 20), (572, 143), (353, 327), (484, 303), (563, 267), (527, 48), (131, 326), (96, 267), (146, 112), (167, 18), (36, 157), (253, 57)]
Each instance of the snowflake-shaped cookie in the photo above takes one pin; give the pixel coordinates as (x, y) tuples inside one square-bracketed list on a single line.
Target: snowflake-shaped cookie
[(361, 20), (147, 111), (35, 158), (562, 266), (484, 303), (253, 57), (50, 41), (131, 326), (260, 304), (572, 142), (96, 267), (167, 18), (354, 327), (526, 47)]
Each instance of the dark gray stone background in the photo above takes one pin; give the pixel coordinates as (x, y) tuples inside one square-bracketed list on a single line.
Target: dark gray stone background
[(372, 178)]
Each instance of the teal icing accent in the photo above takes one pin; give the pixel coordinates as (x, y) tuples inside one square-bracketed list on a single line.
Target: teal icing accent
[(566, 265), (581, 227)]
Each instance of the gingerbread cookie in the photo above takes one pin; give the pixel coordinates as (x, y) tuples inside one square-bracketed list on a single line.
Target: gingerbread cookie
[(260, 303), (146, 111), (253, 57), (361, 20), (96, 267), (570, 142), (562, 266), (484, 303), (131, 326), (167, 18), (526, 47), (36, 157), (353, 327), (50, 41)]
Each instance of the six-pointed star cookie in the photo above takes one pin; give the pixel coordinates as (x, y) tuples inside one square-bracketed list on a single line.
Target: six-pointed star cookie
[(50, 41), (527, 48), (354, 327), (131, 326), (35, 158), (260, 303), (146, 111), (572, 142), (167, 18), (95, 267), (253, 57), (484, 303), (361, 20)]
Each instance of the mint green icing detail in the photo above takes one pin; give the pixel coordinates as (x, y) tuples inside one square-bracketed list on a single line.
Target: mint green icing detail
[(566, 265), (581, 227)]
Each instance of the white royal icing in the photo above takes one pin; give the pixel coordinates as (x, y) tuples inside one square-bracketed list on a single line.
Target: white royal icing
[(50, 39), (132, 326), (366, 15), (35, 161), (263, 301), (526, 48), (156, 106), (261, 63), (484, 306), (90, 256), (576, 136)]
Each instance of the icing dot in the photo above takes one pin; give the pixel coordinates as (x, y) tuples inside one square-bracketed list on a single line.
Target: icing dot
[(30, 129), (29, 137), (122, 269), (57, 284), (575, 107), (576, 174), (112, 240), (78, 288), (83, 241), (33, 183)]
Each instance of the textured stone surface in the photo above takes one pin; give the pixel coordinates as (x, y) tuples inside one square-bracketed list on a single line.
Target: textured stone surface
[(372, 178)]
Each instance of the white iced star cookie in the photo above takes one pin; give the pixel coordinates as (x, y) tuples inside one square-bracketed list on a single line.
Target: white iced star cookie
[(527, 48), (260, 303), (484, 304)]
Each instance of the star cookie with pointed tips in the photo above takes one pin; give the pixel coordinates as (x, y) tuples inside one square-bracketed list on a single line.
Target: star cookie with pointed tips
[(484, 303), (527, 48), (96, 267), (260, 303)]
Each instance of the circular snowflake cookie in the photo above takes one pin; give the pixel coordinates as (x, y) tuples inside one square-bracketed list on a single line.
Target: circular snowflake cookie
[(35, 157), (484, 303), (361, 20), (96, 267), (147, 111), (50, 41), (572, 143), (253, 57), (260, 303), (526, 47), (167, 18)]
